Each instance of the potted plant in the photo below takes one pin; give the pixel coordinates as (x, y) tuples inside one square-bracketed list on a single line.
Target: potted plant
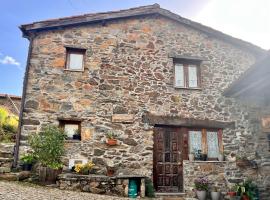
[(76, 135), (27, 162), (48, 147), (84, 169), (111, 138), (215, 193), (201, 187), (247, 190), (221, 157)]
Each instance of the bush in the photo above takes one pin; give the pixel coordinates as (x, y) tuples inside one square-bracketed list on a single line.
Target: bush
[(48, 146), (28, 159), (8, 125)]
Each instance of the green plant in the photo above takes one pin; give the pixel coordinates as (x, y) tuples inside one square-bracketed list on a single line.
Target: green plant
[(111, 135), (48, 146), (149, 188), (248, 188), (28, 159), (201, 184)]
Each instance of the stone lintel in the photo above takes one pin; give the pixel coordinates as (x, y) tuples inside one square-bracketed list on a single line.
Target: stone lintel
[(186, 122), (122, 118)]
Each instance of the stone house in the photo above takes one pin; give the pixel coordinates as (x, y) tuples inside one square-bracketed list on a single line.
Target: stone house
[(154, 78), (11, 102)]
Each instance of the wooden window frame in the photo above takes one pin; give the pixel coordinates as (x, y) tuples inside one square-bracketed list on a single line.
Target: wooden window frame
[(186, 75), (69, 51), (62, 124), (204, 140)]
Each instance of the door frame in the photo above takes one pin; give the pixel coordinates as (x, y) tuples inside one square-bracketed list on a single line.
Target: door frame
[(184, 142)]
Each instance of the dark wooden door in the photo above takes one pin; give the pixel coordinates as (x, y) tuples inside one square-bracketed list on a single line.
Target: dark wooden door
[(170, 149)]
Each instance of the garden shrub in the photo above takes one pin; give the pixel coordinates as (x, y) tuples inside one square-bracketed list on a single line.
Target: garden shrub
[(48, 146), (8, 125)]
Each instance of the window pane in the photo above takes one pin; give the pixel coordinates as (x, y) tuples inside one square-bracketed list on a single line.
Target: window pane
[(179, 75), (76, 61), (195, 141), (192, 76), (70, 129), (212, 144)]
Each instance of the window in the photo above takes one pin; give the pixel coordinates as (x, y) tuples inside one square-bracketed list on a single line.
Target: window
[(186, 75), (208, 141), (75, 59), (71, 128)]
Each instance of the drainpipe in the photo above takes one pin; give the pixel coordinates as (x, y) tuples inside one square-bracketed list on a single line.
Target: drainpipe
[(25, 83)]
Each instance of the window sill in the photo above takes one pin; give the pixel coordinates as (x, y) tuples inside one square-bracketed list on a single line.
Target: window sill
[(186, 88), (207, 161), (73, 70), (72, 141)]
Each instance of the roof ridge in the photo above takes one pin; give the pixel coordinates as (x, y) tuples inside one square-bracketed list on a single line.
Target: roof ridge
[(135, 12)]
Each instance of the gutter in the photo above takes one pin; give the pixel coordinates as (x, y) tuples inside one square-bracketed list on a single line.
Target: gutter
[(25, 83)]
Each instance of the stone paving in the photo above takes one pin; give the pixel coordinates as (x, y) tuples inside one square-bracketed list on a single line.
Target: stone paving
[(25, 191)]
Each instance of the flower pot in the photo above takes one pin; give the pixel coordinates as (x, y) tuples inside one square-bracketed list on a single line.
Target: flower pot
[(215, 195), (245, 197), (76, 137), (48, 175), (111, 142), (110, 172), (27, 167), (242, 163), (231, 194), (201, 195), (204, 157), (220, 157), (191, 157)]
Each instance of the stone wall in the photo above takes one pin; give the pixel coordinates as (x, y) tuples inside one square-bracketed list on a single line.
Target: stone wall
[(128, 71), (223, 175), (99, 184)]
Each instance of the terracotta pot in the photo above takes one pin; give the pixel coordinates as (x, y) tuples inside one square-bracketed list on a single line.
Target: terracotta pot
[(112, 142), (215, 195), (191, 157), (110, 172), (242, 163), (201, 195), (245, 197), (231, 194)]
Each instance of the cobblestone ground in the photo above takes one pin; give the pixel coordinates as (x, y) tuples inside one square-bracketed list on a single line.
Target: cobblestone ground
[(23, 191)]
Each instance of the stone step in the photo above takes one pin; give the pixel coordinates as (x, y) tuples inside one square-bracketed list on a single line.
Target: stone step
[(4, 170), (5, 154), (15, 176), (4, 160), (171, 196), (7, 147)]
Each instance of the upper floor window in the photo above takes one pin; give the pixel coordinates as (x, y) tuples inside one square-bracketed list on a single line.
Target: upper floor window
[(187, 75), (75, 59)]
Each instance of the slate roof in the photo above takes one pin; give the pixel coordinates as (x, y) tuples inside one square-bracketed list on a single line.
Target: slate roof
[(134, 12)]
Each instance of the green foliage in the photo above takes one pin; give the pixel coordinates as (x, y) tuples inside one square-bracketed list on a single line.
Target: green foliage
[(248, 188), (8, 125), (111, 135), (28, 159), (48, 146), (149, 188)]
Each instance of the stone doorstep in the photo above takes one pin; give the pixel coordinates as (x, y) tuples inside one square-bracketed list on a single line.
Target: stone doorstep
[(171, 196)]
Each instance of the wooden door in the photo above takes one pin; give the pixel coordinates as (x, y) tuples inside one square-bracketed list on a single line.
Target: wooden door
[(170, 149)]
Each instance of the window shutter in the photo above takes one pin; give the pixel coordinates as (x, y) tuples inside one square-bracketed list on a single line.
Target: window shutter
[(212, 144), (195, 141), (179, 75), (76, 61), (192, 76)]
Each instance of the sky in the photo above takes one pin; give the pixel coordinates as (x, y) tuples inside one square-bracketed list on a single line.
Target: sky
[(245, 19)]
